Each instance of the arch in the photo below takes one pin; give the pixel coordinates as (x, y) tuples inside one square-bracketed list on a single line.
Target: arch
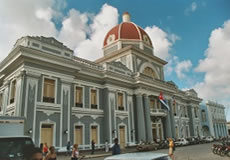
[(83, 132), (148, 69), (48, 122), (205, 130)]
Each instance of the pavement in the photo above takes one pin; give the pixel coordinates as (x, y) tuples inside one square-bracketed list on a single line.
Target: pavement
[(97, 153)]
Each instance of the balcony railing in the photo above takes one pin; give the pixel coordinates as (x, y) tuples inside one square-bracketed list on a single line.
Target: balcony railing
[(78, 105), (93, 106), (160, 112), (48, 99), (121, 108), (11, 100)]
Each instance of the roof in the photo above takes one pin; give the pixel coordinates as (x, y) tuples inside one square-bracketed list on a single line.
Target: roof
[(127, 31)]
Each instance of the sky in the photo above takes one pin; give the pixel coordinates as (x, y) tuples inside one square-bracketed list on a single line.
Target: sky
[(192, 36)]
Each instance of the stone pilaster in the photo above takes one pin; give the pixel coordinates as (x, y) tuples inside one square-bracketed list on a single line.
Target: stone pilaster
[(140, 119), (148, 126)]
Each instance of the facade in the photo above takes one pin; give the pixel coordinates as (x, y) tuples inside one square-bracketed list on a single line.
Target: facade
[(228, 126), (213, 120), (66, 98)]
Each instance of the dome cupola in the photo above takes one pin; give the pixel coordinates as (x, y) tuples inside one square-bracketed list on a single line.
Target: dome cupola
[(127, 33)]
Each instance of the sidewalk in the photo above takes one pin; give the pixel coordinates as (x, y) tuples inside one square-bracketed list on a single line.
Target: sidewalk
[(97, 153)]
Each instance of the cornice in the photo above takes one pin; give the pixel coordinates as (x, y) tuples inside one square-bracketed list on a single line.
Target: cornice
[(121, 52)]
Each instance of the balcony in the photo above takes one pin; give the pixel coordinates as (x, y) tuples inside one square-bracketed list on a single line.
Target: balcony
[(78, 105), (93, 106), (158, 112), (48, 99), (121, 108)]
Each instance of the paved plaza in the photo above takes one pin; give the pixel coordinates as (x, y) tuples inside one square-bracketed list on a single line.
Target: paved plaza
[(192, 152)]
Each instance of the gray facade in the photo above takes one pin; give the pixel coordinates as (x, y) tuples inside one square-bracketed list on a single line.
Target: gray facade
[(118, 98)]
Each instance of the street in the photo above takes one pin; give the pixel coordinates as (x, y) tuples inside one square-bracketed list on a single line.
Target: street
[(192, 152)]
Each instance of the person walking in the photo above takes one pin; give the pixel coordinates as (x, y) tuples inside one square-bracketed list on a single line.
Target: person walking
[(45, 149), (75, 152), (68, 148), (106, 146), (116, 147), (52, 154), (92, 146), (171, 146)]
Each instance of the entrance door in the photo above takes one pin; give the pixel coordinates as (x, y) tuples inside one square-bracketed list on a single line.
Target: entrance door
[(47, 134), (122, 136), (94, 134), (154, 130), (78, 135), (160, 132)]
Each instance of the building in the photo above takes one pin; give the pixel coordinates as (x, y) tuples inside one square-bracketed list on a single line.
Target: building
[(66, 98), (228, 126), (213, 120)]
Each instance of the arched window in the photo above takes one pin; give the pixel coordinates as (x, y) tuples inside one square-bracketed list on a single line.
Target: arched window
[(149, 72)]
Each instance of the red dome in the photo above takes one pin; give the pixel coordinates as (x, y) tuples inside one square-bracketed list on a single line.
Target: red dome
[(127, 31)]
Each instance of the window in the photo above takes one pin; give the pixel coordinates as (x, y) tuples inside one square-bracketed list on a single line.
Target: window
[(49, 90), (78, 97), (12, 91), (1, 102), (152, 104), (93, 98), (94, 134), (203, 115), (186, 111), (149, 72), (120, 102), (174, 109), (195, 112), (158, 104)]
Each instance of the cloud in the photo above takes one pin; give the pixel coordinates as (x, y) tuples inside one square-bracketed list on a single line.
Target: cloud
[(91, 48), (179, 67), (191, 8), (25, 18), (82, 32), (183, 66), (74, 28), (216, 66), (162, 41)]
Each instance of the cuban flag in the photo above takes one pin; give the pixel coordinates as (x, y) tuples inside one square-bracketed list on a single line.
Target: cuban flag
[(162, 100)]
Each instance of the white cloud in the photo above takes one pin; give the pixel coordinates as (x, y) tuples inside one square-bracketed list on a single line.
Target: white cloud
[(162, 41), (36, 19), (216, 66), (22, 18), (91, 48), (183, 66), (74, 28), (191, 8)]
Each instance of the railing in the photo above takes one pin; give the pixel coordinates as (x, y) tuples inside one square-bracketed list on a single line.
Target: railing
[(161, 112)]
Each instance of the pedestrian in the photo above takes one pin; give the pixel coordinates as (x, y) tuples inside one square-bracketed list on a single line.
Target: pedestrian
[(45, 149), (75, 152), (32, 153), (68, 148), (52, 155), (106, 146), (171, 146), (41, 146), (92, 146), (116, 147)]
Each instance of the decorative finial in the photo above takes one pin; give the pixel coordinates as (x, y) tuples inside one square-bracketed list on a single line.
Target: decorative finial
[(126, 17)]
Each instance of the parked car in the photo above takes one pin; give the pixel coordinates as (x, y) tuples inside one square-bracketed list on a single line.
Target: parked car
[(140, 156), (181, 142), (208, 139), (147, 146), (191, 141), (12, 148)]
